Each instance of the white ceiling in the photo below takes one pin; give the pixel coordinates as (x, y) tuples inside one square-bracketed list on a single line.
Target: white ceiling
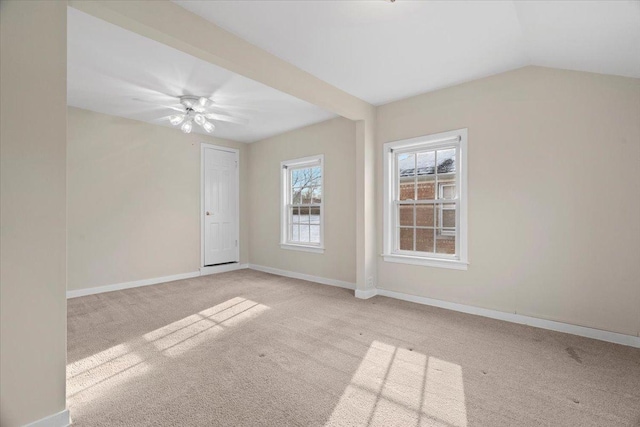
[(596, 36), (381, 51), (117, 72)]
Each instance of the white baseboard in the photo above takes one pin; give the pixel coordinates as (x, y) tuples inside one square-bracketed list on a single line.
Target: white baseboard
[(301, 276), (156, 280), (366, 293), (222, 268), (61, 419), (598, 334), (128, 285)]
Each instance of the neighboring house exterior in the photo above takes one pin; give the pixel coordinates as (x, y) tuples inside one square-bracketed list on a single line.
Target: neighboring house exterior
[(418, 181)]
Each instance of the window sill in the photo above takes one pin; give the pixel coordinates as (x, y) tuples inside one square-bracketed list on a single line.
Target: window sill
[(302, 248), (427, 262)]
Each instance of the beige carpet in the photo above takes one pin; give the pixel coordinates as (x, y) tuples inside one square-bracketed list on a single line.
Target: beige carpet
[(249, 348)]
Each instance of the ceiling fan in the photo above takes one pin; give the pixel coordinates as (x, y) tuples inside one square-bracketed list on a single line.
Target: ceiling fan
[(194, 109), (190, 109)]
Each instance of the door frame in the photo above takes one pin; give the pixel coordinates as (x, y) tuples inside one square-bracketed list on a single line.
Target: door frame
[(203, 147)]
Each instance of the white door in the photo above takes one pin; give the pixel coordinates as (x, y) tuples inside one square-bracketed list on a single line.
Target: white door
[(220, 206)]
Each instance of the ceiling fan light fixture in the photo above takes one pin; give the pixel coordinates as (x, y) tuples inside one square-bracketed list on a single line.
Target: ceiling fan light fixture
[(209, 127), (187, 126), (195, 110), (199, 119), (176, 119)]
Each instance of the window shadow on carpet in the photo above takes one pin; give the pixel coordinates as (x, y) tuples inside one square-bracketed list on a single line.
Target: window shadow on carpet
[(398, 386), (95, 375)]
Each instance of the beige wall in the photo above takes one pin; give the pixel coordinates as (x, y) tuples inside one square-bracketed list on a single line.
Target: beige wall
[(32, 210), (134, 200), (554, 195), (336, 140)]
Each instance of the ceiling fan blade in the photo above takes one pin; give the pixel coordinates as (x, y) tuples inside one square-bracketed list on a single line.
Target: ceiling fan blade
[(205, 102), (159, 97), (176, 107), (214, 106), (225, 118)]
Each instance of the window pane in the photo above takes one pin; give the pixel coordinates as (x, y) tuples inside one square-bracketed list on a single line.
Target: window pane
[(317, 195), (447, 160), (306, 177), (304, 233), (296, 196), (315, 175), (425, 215), (295, 232), (296, 178), (406, 170), (315, 233), (426, 187), (306, 195), (447, 190), (449, 218), (314, 213), (407, 188), (304, 215), (447, 215), (406, 215), (445, 242), (424, 239), (295, 215), (426, 163), (406, 239), (406, 164)]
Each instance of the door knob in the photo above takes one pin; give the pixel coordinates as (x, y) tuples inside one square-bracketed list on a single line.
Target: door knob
[(208, 213)]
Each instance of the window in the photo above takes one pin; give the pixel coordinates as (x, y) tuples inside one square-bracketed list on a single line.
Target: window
[(302, 222), (425, 217)]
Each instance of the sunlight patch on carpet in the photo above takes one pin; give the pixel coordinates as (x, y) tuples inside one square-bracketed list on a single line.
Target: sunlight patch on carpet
[(95, 360), (106, 375), (190, 320), (444, 396), (398, 386), (208, 327), (116, 365)]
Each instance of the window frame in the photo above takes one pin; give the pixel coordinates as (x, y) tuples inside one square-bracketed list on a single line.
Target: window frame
[(286, 198), (391, 251)]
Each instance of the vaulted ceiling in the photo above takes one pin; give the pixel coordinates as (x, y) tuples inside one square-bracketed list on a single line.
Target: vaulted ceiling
[(374, 50), (381, 51)]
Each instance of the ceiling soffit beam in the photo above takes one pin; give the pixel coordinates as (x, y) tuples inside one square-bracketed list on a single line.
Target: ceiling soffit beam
[(175, 26)]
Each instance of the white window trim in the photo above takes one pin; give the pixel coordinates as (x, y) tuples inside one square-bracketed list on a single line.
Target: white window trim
[(461, 261), (284, 192)]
